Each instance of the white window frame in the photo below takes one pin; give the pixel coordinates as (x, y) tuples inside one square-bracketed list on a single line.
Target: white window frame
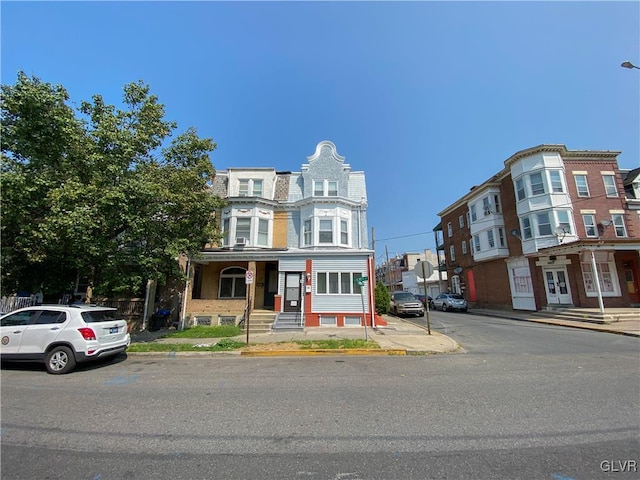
[(607, 277), (474, 215), (501, 238), (307, 232), (344, 232), (263, 232), (323, 231), (337, 283), (476, 244), (590, 228), (618, 224), (449, 230), (237, 282), (610, 186), (325, 188), (237, 234), (557, 185), (543, 190), (250, 187), (461, 221), (585, 187), (464, 247), (491, 239), (521, 191), (452, 253)]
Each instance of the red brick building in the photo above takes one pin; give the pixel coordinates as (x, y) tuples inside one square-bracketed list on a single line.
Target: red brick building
[(552, 228)]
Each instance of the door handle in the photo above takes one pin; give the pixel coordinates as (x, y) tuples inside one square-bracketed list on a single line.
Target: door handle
[(17, 331), (55, 328)]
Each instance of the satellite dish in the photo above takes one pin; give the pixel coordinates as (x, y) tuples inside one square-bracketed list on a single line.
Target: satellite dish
[(515, 233), (560, 233)]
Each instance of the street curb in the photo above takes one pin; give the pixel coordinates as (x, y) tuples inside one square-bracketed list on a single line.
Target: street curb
[(279, 353), (325, 352), (559, 324)]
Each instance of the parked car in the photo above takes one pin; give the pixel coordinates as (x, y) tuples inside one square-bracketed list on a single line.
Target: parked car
[(405, 303), (422, 298), (450, 301), (62, 335)]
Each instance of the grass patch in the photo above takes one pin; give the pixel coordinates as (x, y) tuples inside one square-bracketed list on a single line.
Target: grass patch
[(208, 332), (338, 344), (221, 346)]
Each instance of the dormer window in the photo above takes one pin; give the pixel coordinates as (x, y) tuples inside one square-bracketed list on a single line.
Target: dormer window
[(325, 188), (250, 187)]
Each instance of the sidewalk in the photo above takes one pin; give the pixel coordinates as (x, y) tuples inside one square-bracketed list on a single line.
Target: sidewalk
[(628, 323), (398, 337)]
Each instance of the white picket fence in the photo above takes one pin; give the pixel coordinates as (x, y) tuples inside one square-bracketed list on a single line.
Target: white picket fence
[(11, 303)]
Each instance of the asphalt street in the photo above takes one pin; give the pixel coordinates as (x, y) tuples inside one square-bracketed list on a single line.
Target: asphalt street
[(519, 401)]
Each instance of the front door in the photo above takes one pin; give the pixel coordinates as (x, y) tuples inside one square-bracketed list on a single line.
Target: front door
[(631, 280), (557, 287), (292, 292), (270, 284)]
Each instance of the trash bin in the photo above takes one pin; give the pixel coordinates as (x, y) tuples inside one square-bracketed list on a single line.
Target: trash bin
[(158, 320)]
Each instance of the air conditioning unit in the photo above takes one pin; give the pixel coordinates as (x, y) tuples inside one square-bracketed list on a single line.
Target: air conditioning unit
[(241, 241)]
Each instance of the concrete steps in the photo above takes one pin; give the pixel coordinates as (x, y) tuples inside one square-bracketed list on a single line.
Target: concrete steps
[(288, 322), (261, 321), (589, 314)]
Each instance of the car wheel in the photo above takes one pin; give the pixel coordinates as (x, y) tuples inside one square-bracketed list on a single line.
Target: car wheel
[(444, 307), (60, 360), (464, 310), (421, 314)]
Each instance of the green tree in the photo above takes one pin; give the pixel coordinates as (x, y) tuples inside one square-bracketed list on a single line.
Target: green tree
[(383, 299), (91, 190)]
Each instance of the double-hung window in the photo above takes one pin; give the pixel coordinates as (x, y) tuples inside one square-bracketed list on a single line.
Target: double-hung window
[(474, 216), (344, 232), (526, 228), (476, 243), (537, 184), (501, 237), (332, 189), (556, 181), (490, 239), (464, 247), (581, 185), (452, 253), (325, 234), (243, 228), (318, 188), (544, 225), (263, 232), (449, 230), (563, 220), (618, 223), (307, 232), (520, 191), (486, 206), (461, 221), (589, 221), (610, 185)]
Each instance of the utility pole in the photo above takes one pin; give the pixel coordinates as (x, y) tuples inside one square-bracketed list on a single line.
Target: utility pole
[(388, 269)]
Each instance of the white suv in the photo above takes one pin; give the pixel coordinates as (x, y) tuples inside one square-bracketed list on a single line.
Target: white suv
[(62, 335)]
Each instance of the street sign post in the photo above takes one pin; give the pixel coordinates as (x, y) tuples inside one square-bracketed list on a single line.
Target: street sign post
[(361, 281), (424, 269)]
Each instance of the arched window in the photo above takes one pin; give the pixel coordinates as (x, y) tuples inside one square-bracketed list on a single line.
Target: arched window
[(232, 283)]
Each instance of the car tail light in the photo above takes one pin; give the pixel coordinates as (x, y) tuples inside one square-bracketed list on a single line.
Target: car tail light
[(87, 333)]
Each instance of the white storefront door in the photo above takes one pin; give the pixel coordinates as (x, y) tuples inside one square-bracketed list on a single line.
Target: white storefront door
[(557, 286)]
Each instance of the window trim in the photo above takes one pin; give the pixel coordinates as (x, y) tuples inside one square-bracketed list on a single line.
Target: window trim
[(609, 193), (584, 176), (236, 276)]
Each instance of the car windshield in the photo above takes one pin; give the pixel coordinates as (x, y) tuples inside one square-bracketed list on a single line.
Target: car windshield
[(404, 296), (100, 316)]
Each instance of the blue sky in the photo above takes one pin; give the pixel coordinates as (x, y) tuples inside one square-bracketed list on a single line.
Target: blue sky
[(428, 98)]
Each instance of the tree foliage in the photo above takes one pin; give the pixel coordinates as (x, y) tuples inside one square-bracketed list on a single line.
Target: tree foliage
[(98, 190), (383, 299)]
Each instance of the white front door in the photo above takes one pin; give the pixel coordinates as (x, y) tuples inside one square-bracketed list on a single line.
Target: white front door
[(557, 286)]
